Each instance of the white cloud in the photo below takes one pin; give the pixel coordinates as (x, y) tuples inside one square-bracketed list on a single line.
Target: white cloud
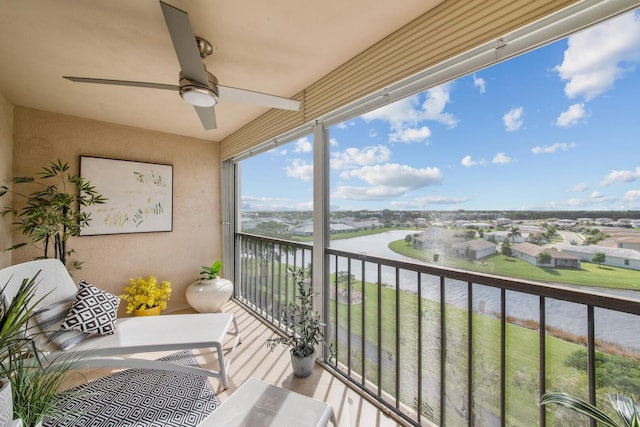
[(441, 200), (632, 196), (579, 188), (480, 83), (303, 145), (300, 169), (252, 203), (468, 162), (433, 106), (410, 135), (408, 112), (572, 116), (548, 149), (596, 57), (501, 159), (398, 176), (513, 119), (367, 193), (333, 142), (594, 198), (355, 157), (619, 176)]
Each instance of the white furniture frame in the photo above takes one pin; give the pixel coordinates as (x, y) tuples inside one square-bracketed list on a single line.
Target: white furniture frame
[(257, 403), (133, 334)]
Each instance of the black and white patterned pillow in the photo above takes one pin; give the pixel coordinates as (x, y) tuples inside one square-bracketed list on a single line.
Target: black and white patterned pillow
[(50, 317), (93, 311)]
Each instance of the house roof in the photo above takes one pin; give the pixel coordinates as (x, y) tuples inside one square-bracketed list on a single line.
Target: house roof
[(608, 251), (475, 245), (278, 47)]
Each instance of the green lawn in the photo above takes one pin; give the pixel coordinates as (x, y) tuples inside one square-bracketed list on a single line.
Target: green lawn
[(522, 352), (589, 275)]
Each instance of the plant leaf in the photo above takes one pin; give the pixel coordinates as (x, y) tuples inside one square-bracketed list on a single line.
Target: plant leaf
[(578, 405)]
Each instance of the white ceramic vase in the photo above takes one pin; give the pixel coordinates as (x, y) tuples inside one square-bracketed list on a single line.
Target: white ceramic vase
[(208, 296)]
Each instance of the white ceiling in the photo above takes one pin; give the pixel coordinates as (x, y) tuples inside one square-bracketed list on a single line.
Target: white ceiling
[(273, 46)]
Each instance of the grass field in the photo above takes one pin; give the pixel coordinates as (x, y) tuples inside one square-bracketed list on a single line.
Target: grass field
[(522, 350)]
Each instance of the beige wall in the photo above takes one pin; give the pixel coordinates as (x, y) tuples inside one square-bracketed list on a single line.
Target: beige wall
[(6, 164), (110, 260)]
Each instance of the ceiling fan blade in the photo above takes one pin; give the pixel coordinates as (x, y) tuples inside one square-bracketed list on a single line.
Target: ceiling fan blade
[(207, 117), (122, 83), (243, 96), (184, 43)]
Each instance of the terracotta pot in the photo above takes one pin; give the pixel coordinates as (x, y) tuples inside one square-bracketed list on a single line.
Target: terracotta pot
[(153, 311)]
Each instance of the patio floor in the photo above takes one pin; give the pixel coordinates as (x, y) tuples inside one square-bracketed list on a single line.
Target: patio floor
[(253, 359)]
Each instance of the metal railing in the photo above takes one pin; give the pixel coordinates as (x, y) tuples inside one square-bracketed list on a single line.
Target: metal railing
[(440, 346)]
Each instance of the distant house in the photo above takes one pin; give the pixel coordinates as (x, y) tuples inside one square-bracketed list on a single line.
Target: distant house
[(341, 228), (500, 236), (474, 249), (303, 230), (436, 238), (530, 253), (629, 243), (503, 221), (565, 223), (615, 257)]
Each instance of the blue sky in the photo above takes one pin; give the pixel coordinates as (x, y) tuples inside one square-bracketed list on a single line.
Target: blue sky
[(557, 128)]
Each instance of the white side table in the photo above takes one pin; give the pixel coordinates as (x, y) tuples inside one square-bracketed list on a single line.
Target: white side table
[(257, 403)]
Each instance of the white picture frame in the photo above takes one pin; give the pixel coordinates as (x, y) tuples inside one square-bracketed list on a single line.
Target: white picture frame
[(139, 196)]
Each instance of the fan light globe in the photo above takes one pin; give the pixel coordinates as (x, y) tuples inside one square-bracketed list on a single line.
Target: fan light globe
[(198, 96)]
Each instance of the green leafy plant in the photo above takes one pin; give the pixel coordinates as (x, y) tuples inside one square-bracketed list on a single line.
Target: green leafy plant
[(304, 328), (35, 384), (53, 212), (34, 378), (210, 273), (626, 408)]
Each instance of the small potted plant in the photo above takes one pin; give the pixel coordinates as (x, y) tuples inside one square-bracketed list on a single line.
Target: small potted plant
[(210, 292), (304, 328), (145, 296)]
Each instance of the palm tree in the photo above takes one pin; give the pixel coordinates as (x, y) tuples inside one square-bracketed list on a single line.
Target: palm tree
[(513, 233)]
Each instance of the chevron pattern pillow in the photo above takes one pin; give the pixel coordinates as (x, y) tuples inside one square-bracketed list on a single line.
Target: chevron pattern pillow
[(93, 311)]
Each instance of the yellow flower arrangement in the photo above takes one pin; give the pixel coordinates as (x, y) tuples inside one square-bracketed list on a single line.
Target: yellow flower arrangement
[(143, 293)]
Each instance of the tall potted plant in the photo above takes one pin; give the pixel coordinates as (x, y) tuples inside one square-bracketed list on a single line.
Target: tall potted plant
[(53, 212), (209, 294), (304, 330)]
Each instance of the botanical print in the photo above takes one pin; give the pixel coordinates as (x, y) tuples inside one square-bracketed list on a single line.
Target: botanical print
[(139, 196)]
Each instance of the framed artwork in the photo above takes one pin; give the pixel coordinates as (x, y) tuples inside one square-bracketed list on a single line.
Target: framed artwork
[(140, 196)]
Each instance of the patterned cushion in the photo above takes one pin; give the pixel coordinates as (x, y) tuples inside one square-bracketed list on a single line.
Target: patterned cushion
[(93, 311), (50, 318)]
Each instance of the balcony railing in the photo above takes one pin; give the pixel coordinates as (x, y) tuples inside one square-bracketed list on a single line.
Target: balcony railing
[(439, 346)]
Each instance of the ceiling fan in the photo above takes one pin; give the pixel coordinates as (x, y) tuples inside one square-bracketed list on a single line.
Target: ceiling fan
[(196, 85)]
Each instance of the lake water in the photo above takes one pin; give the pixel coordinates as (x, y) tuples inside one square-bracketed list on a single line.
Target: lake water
[(619, 328)]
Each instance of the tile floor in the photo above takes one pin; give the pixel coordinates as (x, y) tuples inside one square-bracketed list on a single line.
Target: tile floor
[(253, 359)]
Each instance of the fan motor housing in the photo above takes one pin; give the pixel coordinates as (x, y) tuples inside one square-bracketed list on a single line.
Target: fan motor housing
[(195, 93)]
